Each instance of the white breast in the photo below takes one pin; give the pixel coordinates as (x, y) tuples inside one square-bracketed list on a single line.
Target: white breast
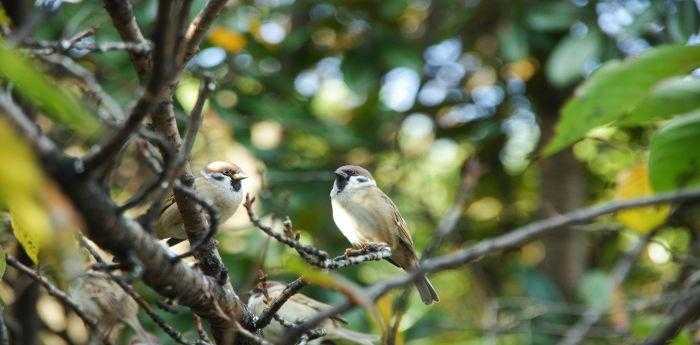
[(346, 223)]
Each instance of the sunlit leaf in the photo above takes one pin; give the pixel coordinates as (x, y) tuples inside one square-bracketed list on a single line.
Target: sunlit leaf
[(569, 58), (617, 88), (674, 160), (3, 263), (55, 102), (20, 184), (670, 97), (634, 183), (228, 39)]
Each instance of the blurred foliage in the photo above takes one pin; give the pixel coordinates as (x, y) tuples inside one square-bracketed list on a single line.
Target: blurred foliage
[(411, 89)]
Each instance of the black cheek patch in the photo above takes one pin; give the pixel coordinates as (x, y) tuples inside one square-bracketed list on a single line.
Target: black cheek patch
[(236, 185), (341, 183)]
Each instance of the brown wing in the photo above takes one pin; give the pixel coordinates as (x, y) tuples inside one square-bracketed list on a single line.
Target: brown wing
[(315, 305), (400, 223)]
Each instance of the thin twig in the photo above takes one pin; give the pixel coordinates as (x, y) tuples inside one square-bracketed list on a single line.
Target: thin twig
[(251, 336), (199, 325), (290, 290), (145, 306), (65, 46), (312, 255), (514, 238), (213, 221), (57, 293), (199, 26), (156, 90), (124, 21), (576, 334)]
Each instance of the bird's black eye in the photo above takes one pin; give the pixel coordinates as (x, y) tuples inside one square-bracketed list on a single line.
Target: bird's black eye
[(362, 179), (218, 177)]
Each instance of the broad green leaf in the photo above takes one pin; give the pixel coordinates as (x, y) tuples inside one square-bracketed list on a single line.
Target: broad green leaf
[(670, 97), (616, 88), (54, 101), (568, 60), (634, 183), (20, 189), (674, 160)]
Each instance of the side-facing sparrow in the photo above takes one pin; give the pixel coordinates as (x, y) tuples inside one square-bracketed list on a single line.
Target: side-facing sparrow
[(107, 303), (300, 308), (366, 216), (220, 183)]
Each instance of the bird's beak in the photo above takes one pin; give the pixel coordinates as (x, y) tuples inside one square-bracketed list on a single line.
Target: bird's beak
[(240, 176), (340, 174)]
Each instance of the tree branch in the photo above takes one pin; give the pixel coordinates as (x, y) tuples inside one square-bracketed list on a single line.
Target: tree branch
[(576, 334), (60, 295), (312, 255), (512, 239), (268, 314), (123, 18), (199, 26)]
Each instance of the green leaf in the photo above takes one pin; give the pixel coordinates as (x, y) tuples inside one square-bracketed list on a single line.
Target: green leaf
[(617, 88), (568, 60), (551, 16), (673, 160), (670, 97), (53, 101), (3, 263)]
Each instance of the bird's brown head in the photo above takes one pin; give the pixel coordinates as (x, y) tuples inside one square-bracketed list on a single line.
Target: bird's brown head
[(219, 170), (352, 175)]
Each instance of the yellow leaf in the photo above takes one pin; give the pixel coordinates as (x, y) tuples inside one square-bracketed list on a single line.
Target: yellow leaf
[(20, 188), (634, 183), (29, 224), (231, 41)]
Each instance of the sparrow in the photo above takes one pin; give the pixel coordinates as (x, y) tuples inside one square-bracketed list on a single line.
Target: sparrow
[(300, 308), (106, 302), (366, 216), (220, 183)]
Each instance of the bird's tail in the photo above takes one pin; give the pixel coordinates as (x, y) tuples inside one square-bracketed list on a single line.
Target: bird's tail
[(426, 290), (346, 335)]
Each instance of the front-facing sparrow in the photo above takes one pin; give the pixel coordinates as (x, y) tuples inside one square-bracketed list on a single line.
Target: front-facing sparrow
[(220, 183), (366, 216)]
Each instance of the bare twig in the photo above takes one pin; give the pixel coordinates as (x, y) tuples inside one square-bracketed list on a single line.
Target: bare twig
[(268, 314), (514, 238), (312, 255), (689, 313), (65, 46), (199, 26), (251, 336), (156, 90), (174, 334), (576, 334), (213, 223), (60, 295), (201, 332), (123, 18)]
